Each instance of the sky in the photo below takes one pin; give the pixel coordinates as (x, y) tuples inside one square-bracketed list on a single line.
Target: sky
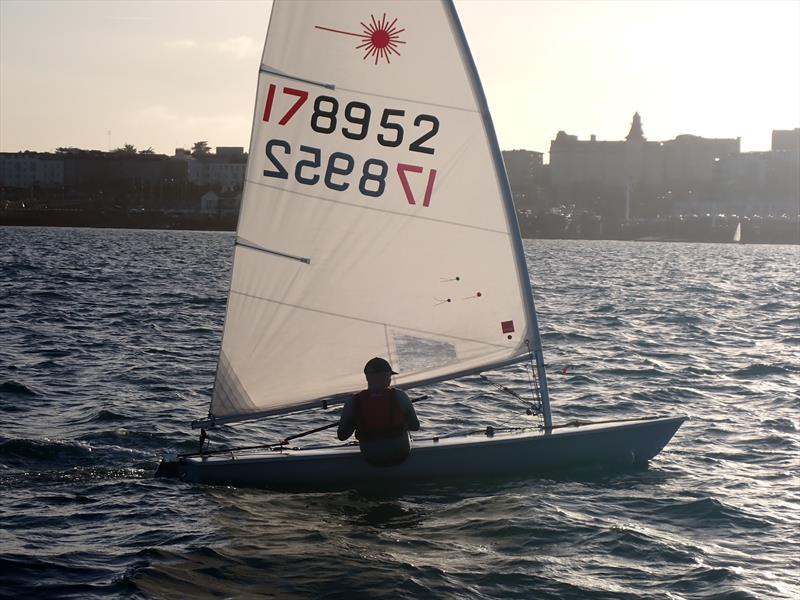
[(164, 74)]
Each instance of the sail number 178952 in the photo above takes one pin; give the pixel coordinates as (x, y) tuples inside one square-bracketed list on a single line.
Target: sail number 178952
[(357, 118), (335, 170)]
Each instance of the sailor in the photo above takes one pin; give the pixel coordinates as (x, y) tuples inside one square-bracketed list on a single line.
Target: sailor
[(381, 417)]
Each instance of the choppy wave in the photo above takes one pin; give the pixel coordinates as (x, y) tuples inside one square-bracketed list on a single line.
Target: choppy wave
[(16, 389), (43, 450), (109, 350)]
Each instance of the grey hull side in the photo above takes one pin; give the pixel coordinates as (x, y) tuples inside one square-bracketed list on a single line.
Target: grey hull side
[(622, 443)]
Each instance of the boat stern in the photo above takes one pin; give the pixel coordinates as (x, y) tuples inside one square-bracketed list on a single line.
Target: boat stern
[(169, 467)]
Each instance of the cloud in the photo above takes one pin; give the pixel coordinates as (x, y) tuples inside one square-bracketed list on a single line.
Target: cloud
[(240, 47), (180, 44)]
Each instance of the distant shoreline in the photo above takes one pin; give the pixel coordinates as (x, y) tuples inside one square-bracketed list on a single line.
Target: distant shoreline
[(118, 220), (763, 231)]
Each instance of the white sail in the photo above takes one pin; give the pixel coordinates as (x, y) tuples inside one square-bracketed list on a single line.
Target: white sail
[(376, 218)]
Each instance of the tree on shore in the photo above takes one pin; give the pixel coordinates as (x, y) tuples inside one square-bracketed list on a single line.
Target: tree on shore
[(200, 149), (126, 149)]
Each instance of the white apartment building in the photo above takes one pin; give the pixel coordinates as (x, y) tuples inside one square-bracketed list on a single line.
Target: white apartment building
[(28, 169), (226, 168)]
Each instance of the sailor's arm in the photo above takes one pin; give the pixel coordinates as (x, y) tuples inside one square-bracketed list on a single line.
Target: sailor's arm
[(407, 407), (347, 424)]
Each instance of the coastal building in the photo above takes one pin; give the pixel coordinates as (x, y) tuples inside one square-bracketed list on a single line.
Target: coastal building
[(786, 140), (224, 169), (526, 176), (603, 176), (182, 154), (31, 169), (93, 167), (760, 183), (225, 203)]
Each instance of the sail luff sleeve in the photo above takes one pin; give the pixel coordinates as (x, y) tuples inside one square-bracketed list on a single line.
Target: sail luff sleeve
[(513, 223)]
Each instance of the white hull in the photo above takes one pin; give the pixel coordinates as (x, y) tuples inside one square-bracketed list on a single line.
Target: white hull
[(615, 443)]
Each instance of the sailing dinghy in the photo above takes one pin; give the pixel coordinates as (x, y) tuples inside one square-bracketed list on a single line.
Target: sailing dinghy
[(377, 220), (737, 234)]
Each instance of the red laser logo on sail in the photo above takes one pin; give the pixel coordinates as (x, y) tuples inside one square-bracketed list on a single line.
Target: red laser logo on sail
[(379, 38)]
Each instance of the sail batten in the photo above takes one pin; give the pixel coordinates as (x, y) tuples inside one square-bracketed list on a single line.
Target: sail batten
[(296, 194), (412, 100), (385, 325), (390, 183), (366, 92), (322, 84), (257, 248)]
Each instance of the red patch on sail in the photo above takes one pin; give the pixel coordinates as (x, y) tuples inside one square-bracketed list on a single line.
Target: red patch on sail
[(508, 326)]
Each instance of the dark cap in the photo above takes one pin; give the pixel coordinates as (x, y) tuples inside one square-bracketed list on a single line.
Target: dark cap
[(378, 365)]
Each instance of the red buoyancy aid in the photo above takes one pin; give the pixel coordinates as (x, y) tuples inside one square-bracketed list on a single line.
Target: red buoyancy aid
[(378, 415)]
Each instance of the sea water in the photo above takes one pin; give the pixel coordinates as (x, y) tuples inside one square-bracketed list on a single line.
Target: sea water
[(108, 345)]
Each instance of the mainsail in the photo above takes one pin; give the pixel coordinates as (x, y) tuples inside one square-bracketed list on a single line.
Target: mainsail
[(376, 218)]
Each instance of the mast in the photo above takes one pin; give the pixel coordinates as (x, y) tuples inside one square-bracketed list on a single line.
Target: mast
[(511, 215)]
